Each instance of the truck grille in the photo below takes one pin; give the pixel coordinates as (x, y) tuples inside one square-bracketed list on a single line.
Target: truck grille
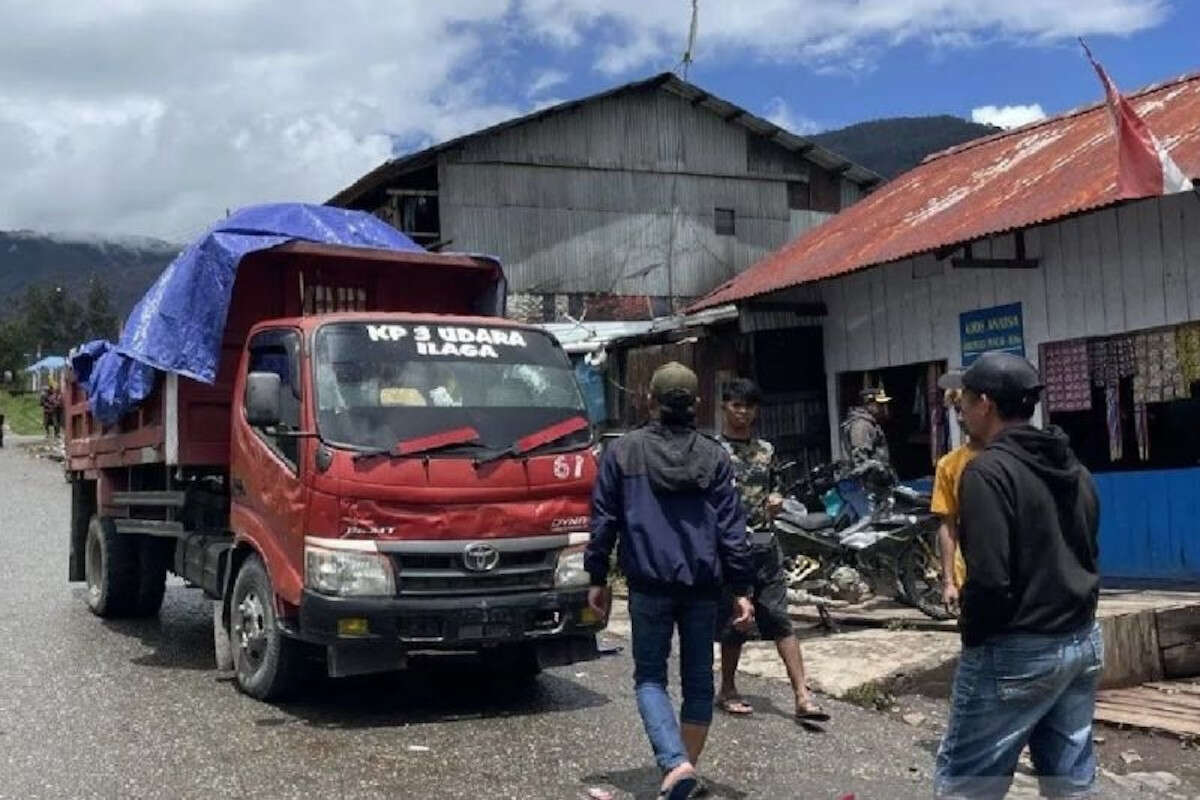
[(433, 574)]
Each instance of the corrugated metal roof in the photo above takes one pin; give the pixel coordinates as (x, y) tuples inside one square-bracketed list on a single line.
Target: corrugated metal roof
[(1034, 174), (666, 81)]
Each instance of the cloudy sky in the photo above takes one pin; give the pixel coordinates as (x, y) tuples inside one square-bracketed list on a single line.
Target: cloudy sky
[(154, 116)]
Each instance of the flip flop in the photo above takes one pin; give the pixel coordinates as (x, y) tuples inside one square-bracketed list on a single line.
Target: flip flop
[(812, 713), (681, 789), (701, 789), (735, 706)]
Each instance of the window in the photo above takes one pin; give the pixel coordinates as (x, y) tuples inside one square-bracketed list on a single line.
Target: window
[(278, 351), (320, 299), (724, 221), (799, 196)]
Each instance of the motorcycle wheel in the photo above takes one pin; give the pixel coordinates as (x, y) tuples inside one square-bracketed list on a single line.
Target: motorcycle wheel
[(921, 578)]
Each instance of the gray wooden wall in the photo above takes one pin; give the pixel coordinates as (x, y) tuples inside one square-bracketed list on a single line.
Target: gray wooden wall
[(602, 199)]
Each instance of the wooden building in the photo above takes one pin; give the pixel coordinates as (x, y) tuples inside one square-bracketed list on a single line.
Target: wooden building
[(624, 205), (1020, 241)]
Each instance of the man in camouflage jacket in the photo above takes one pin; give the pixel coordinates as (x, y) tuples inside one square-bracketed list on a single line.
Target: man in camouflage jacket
[(863, 438), (754, 472)]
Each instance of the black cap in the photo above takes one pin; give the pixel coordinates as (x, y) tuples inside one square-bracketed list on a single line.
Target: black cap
[(951, 381), (1002, 375)]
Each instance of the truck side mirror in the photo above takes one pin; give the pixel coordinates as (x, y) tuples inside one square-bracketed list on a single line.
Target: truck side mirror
[(262, 399)]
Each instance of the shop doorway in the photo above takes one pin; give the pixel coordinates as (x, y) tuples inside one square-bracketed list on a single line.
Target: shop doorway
[(916, 428)]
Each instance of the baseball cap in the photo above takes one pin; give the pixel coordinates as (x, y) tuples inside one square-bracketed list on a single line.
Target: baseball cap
[(674, 381), (951, 380), (1002, 375), (874, 394)]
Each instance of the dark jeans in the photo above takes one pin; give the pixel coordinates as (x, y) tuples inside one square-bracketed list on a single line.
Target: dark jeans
[(654, 619), (1017, 689)]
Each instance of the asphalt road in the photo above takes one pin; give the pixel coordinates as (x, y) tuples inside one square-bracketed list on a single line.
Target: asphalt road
[(90, 708)]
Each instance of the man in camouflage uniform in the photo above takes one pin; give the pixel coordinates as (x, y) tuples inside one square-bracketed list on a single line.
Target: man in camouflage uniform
[(863, 438), (754, 472)]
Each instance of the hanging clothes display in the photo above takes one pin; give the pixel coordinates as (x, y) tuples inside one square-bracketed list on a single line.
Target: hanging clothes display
[(1187, 348), (1112, 416), (1141, 423), (1066, 371)]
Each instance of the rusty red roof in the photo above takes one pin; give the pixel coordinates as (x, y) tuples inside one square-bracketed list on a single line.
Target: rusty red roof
[(1040, 172)]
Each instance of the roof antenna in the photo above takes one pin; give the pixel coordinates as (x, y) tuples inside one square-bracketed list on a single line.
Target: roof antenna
[(686, 63)]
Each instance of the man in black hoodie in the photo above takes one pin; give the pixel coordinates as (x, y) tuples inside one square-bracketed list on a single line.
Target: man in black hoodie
[(1032, 652), (666, 493)]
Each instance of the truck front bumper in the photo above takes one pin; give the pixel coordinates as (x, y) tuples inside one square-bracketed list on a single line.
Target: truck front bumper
[(558, 624)]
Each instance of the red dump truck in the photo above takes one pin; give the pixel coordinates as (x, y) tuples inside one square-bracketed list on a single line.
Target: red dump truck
[(375, 473)]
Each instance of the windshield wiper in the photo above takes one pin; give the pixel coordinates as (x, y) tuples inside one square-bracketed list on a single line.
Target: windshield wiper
[(539, 438), (421, 445)]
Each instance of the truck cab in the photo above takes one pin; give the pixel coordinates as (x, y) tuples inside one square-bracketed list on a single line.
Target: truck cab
[(412, 482)]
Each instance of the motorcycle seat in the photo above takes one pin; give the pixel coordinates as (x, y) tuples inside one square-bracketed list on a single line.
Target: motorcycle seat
[(812, 522)]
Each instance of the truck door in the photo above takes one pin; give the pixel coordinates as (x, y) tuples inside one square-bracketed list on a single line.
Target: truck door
[(266, 486)]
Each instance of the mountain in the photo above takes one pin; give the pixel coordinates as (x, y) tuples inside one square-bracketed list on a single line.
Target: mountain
[(893, 146), (127, 264)]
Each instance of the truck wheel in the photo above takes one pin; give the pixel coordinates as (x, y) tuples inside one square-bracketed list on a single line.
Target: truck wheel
[(222, 646), (111, 569), (153, 554), (266, 662)]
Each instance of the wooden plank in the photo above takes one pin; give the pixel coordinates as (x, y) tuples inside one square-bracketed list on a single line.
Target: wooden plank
[(1133, 270), (1093, 271), (1177, 626), (1149, 722), (1131, 651), (1052, 267), (834, 325), (1139, 704), (879, 317), (1175, 686), (896, 285), (1033, 297), (1191, 251), (1149, 232), (1073, 278), (1174, 262), (1181, 661), (1110, 272)]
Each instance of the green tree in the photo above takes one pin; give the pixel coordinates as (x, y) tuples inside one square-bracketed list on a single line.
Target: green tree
[(99, 317)]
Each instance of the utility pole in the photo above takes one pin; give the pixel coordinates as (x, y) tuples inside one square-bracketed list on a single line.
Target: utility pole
[(689, 53)]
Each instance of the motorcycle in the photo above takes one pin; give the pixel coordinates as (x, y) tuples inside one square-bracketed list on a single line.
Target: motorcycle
[(882, 531)]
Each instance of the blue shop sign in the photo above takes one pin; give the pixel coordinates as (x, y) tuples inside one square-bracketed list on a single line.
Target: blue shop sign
[(986, 329)]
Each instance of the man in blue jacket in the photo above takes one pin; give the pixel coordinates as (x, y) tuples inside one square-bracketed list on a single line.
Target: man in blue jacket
[(666, 493)]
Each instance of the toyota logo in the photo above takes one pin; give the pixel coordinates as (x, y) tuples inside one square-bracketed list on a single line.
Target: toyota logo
[(480, 557)]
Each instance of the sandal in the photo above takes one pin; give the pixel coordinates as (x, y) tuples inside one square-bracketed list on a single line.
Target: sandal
[(701, 789), (811, 712), (681, 789), (735, 706)]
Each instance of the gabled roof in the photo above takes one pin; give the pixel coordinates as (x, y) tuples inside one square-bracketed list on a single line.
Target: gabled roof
[(666, 81), (1040, 172)]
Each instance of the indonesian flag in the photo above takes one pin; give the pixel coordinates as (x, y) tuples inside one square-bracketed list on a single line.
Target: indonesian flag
[(1144, 167)]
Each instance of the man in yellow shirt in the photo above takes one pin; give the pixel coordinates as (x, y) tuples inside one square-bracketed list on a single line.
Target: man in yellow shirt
[(945, 495)]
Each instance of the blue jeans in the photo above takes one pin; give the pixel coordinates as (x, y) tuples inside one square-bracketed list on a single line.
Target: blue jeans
[(1015, 690), (654, 619)]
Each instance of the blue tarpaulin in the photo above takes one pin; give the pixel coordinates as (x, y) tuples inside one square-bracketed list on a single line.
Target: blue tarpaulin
[(178, 324)]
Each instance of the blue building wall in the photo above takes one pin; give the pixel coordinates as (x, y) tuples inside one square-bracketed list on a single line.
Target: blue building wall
[(1150, 524)]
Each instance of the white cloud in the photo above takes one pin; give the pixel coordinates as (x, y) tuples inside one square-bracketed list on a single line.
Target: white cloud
[(779, 112), (546, 80), (153, 116), (1008, 116), (831, 35)]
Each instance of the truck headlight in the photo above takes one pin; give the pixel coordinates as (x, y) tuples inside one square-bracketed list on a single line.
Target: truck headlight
[(570, 574), (347, 573)]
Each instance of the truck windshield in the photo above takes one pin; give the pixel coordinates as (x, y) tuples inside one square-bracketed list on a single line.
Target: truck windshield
[(378, 384)]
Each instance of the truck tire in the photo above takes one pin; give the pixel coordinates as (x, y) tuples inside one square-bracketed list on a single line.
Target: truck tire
[(222, 646), (267, 664), (153, 555), (111, 569)]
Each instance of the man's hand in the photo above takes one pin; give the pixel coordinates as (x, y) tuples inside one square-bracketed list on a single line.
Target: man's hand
[(599, 601), (743, 614), (950, 595), (774, 503)]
